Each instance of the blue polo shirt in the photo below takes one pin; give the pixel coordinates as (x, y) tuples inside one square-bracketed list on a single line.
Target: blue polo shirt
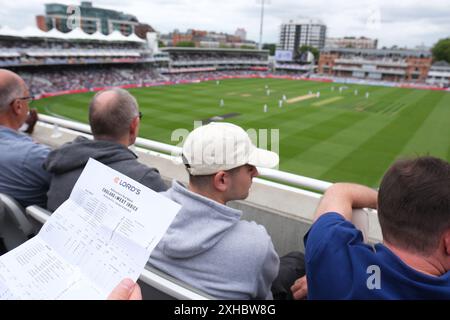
[(340, 266), (22, 175)]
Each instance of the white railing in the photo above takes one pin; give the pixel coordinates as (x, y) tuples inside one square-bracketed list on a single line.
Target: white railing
[(279, 176), (294, 179), (141, 142), (66, 123)]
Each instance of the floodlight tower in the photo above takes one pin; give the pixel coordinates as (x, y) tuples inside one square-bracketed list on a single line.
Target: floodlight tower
[(261, 25)]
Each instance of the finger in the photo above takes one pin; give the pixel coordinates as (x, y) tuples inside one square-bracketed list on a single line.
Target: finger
[(295, 287), (300, 288), (298, 283), (300, 294), (136, 294), (123, 290)]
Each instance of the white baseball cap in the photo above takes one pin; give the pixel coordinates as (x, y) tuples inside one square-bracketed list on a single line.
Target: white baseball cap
[(223, 146)]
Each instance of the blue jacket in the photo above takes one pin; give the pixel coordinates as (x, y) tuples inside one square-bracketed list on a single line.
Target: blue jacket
[(339, 265), (22, 175)]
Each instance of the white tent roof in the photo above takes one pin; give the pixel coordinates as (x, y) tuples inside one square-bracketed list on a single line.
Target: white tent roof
[(116, 36), (31, 32), (99, 36), (134, 37), (54, 34), (27, 32), (75, 34), (7, 31)]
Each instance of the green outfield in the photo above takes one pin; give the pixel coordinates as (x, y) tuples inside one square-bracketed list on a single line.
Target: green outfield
[(336, 137)]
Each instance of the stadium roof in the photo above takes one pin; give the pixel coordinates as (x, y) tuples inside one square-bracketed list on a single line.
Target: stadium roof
[(76, 34), (172, 49)]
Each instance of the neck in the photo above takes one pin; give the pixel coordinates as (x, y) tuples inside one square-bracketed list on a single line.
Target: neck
[(208, 194), (430, 265), (7, 122), (123, 141)]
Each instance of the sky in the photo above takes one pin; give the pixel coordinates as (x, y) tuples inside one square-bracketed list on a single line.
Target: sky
[(405, 23)]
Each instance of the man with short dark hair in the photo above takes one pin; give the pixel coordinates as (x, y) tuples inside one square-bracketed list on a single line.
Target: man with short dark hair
[(114, 118), (414, 260), (21, 173), (207, 245)]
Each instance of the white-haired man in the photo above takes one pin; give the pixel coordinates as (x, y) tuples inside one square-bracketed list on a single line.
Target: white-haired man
[(21, 173)]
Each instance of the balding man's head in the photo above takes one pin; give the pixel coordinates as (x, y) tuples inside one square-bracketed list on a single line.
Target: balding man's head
[(111, 113), (11, 87)]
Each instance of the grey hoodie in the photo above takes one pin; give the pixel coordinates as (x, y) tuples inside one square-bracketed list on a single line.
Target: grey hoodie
[(210, 248), (67, 162)]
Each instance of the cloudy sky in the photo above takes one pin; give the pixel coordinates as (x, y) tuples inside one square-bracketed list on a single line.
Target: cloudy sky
[(394, 22)]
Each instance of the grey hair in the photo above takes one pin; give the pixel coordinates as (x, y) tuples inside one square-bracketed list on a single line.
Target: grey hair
[(10, 89), (111, 119)]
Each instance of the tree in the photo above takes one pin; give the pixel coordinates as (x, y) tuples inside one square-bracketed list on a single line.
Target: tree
[(161, 44), (189, 44), (271, 47), (313, 50), (441, 50)]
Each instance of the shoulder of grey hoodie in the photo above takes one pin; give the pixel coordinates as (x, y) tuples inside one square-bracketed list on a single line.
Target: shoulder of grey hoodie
[(257, 256), (244, 256)]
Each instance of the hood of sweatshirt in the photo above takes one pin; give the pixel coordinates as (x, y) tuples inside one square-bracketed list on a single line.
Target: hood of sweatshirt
[(198, 226), (75, 154)]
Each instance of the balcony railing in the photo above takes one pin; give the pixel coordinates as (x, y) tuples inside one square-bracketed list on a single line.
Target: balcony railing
[(218, 62), (379, 70), (373, 62)]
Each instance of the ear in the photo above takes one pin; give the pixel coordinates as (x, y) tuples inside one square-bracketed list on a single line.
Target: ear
[(134, 130), (446, 237), (221, 181), (16, 107)]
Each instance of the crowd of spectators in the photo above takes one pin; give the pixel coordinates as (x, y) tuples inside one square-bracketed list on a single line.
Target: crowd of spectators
[(88, 77)]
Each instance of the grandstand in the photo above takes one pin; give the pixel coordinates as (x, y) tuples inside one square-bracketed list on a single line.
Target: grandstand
[(373, 64), (439, 74), (185, 59), (92, 61)]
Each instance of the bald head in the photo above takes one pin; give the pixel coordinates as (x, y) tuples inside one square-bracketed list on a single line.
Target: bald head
[(111, 113), (11, 87)]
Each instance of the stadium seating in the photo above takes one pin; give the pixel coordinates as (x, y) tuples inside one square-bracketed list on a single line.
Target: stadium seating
[(15, 228)]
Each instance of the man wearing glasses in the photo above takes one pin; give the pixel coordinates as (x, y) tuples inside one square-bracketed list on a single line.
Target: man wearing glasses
[(22, 175)]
